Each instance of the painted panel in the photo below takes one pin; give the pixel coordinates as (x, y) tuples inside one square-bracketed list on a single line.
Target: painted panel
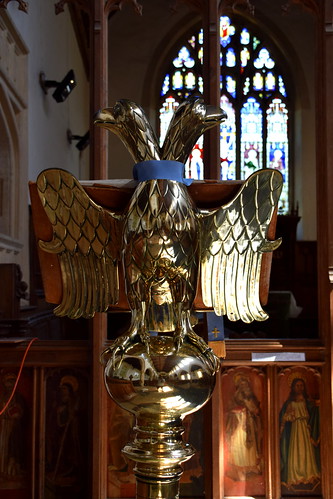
[(16, 434), (66, 435), (244, 409), (299, 429)]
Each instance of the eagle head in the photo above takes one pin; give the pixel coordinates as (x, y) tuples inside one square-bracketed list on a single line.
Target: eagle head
[(128, 120), (122, 113)]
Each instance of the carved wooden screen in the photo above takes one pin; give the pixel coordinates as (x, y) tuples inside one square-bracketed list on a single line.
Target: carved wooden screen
[(45, 431)]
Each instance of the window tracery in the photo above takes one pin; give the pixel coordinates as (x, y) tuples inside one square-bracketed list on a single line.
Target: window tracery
[(253, 93)]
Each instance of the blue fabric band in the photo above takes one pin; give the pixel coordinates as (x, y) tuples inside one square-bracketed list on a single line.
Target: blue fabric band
[(160, 169)]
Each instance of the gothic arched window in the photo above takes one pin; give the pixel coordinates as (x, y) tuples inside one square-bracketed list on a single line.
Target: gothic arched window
[(253, 93)]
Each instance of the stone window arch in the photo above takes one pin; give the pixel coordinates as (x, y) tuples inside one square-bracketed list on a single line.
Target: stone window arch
[(13, 145), (254, 93)]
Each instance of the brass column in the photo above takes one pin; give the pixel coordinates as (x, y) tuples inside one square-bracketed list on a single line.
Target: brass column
[(168, 385)]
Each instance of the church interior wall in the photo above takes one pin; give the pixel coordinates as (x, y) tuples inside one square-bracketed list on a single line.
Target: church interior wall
[(137, 45), (33, 131), (138, 49), (53, 49), (13, 148), (41, 124)]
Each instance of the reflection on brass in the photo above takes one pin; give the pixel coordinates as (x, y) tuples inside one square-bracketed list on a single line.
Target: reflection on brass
[(160, 235), (162, 241), (85, 237), (160, 387), (233, 242)]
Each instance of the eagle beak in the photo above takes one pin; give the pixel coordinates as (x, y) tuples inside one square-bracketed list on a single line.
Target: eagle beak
[(104, 116), (215, 115)]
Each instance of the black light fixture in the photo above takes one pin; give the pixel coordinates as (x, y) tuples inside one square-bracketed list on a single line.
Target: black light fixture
[(83, 140), (62, 88)]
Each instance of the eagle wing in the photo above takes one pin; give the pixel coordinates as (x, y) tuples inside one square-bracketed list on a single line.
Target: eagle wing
[(233, 240), (85, 240)]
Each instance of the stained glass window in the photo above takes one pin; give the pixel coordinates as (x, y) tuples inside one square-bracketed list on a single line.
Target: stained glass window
[(185, 75), (253, 93), (228, 141), (277, 145), (194, 166), (251, 137)]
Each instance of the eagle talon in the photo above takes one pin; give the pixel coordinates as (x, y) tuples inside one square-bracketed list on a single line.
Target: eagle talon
[(145, 338), (178, 338)]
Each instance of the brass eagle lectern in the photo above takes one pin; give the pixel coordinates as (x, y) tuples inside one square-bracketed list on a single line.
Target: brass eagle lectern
[(165, 247)]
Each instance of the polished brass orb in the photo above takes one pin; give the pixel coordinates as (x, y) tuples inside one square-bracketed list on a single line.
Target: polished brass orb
[(160, 384)]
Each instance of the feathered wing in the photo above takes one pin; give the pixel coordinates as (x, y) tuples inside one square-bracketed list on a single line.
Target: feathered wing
[(85, 240), (233, 241)]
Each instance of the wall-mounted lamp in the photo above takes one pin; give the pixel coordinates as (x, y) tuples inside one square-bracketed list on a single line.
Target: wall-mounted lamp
[(62, 88), (83, 140)]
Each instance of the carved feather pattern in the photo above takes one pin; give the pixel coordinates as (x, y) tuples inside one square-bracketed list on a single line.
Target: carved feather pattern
[(85, 237), (162, 238), (161, 241), (128, 121), (233, 241)]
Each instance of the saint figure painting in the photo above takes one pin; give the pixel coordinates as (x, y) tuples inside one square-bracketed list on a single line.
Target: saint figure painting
[(299, 435)]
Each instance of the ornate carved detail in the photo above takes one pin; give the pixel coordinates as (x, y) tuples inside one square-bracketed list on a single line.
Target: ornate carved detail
[(110, 5), (21, 5), (10, 245), (114, 5), (159, 236), (81, 4)]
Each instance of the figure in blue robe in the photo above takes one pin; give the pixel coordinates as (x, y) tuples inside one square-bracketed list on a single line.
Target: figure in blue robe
[(299, 438)]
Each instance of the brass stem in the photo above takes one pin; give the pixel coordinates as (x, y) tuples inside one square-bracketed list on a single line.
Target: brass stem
[(158, 451)]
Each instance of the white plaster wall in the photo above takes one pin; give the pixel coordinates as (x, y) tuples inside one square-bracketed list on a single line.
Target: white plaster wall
[(53, 49), (13, 149), (294, 32)]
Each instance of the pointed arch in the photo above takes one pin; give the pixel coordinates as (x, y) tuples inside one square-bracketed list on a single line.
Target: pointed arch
[(254, 93), (9, 166), (13, 145)]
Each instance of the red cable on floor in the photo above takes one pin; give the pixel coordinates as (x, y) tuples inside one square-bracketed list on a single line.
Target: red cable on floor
[(18, 376)]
